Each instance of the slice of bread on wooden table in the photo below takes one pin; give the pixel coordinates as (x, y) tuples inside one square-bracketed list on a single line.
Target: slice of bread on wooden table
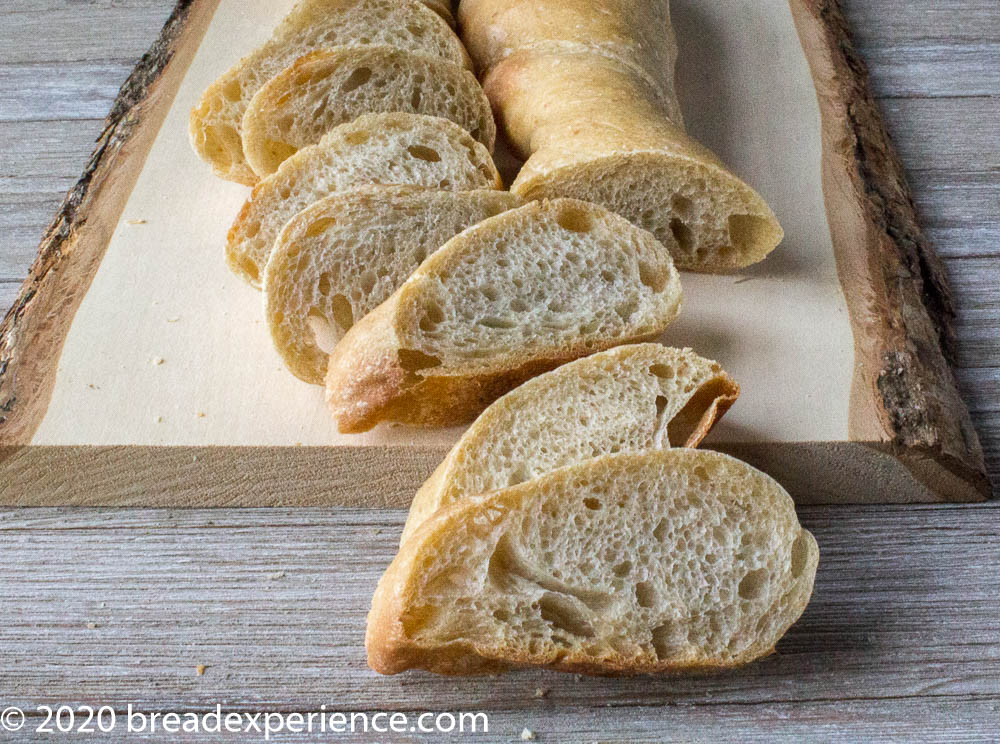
[(312, 24), (508, 299), (333, 86), (372, 149), (668, 561), (337, 260), (630, 399)]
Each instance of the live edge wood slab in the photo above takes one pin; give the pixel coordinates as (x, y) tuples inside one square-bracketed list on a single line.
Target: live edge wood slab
[(910, 434)]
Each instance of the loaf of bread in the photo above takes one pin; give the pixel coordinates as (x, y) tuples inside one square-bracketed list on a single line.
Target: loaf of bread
[(637, 34), (514, 296), (572, 100), (667, 561), (372, 149), (297, 107), (631, 399), (337, 260), (215, 123)]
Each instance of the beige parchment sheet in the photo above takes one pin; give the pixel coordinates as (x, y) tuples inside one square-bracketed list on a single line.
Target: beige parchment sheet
[(168, 348)]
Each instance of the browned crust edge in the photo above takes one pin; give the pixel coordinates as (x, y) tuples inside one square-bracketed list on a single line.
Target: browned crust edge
[(34, 330), (901, 307)]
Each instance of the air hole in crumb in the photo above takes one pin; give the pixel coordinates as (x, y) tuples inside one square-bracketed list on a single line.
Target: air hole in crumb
[(592, 503), (664, 642), (661, 405), (574, 219), (357, 138), (324, 285), (424, 153), (343, 313), (250, 269), (660, 531), (562, 613), (800, 555), (501, 324), (651, 277), (433, 316), (623, 569), (319, 226), (753, 584), (682, 234), (518, 475), (367, 281), (413, 361), (357, 78), (416, 98), (663, 371), (681, 206), (324, 336), (645, 594)]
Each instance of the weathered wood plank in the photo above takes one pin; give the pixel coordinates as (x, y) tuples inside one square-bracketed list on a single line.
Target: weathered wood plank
[(896, 22), (8, 292), (273, 602), (47, 91)]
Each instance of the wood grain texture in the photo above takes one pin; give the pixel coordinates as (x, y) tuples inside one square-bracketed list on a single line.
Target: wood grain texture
[(34, 329), (901, 305), (121, 606), (899, 644)]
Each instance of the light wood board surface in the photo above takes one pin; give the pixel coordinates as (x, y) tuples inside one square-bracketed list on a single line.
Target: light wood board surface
[(898, 645), (156, 355)]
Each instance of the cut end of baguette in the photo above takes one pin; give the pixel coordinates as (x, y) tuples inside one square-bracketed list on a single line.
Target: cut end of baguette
[(340, 258), (512, 297), (669, 561), (388, 149), (333, 86), (631, 399), (714, 221)]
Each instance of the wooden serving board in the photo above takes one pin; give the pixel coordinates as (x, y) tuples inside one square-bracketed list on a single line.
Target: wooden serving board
[(135, 370)]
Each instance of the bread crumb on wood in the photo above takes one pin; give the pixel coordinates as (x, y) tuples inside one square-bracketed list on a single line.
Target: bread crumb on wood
[(157, 361), (527, 735), (200, 669), (541, 692), (202, 414), (135, 222), (159, 419), (92, 626)]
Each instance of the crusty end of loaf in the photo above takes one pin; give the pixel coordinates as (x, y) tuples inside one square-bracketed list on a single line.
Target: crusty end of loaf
[(712, 221), (671, 561)]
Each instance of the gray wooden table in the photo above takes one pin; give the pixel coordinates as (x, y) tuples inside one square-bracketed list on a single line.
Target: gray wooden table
[(900, 643)]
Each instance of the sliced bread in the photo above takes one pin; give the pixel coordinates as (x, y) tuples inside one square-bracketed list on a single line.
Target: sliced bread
[(337, 260), (372, 149), (630, 399), (667, 561), (596, 131), (312, 24), (514, 296), (333, 86)]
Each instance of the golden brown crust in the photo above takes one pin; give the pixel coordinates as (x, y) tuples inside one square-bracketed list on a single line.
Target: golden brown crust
[(392, 648)]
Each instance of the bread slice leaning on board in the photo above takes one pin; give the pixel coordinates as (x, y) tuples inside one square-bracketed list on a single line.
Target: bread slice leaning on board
[(372, 149), (216, 121), (298, 106), (340, 258), (630, 399), (594, 129), (667, 561), (508, 299)]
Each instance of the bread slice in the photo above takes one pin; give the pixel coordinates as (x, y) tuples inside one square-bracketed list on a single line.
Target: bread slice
[(637, 33), (312, 24), (514, 296), (333, 86), (443, 8), (630, 399), (340, 258), (667, 561), (596, 131), (372, 149)]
